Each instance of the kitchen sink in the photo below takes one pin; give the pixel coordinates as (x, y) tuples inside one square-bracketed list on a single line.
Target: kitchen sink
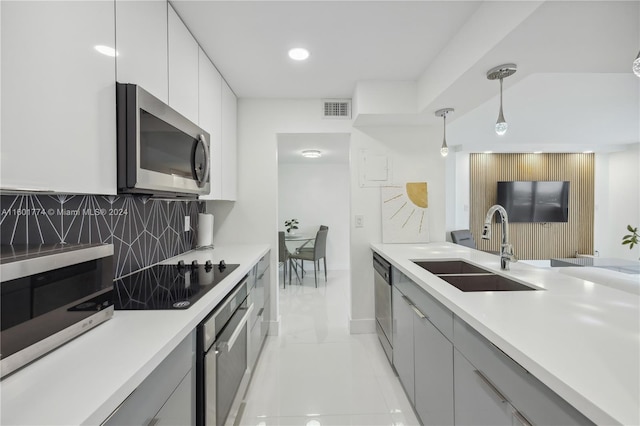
[(468, 277), (484, 282), (450, 267)]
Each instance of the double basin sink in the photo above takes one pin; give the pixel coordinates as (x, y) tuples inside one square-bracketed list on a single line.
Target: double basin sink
[(468, 277)]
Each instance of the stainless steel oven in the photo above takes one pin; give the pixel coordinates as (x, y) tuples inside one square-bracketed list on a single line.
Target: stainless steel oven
[(160, 152), (221, 362), (51, 294), (382, 294)]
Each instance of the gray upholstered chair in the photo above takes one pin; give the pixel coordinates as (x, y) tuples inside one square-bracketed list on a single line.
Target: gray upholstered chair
[(283, 257), (314, 254), (463, 237)]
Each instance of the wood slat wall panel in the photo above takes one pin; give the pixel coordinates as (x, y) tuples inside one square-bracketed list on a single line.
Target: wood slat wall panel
[(535, 240)]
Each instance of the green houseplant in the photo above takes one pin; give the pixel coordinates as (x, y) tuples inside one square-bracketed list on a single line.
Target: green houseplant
[(291, 224), (632, 238)]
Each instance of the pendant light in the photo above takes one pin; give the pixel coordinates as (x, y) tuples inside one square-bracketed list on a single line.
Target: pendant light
[(636, 65), (444, 150), (500, 72)]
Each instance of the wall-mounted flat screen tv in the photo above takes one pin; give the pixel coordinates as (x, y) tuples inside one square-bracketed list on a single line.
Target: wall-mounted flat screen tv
[(535, 201)]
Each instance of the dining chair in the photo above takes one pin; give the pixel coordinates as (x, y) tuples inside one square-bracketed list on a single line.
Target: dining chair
[(463, 237), (283, 257), (314, 254)]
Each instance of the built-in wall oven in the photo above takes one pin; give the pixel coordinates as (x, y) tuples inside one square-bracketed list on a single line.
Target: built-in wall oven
[(221, 362), (160, 152), (51, 294), (382, 294)]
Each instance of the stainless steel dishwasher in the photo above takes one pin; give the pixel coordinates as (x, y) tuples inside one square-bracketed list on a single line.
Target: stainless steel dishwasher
[(222, 357), (382, 286)]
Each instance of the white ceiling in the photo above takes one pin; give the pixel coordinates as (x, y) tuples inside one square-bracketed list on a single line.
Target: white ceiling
[(573, 89), (333, 146)]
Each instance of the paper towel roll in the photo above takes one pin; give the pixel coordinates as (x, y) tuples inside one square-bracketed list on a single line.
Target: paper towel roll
[(205, 230)]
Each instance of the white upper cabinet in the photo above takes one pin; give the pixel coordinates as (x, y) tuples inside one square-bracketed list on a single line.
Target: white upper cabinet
[(141, 42), (183, 68), (229, 143), (58, 97), (210, 119)]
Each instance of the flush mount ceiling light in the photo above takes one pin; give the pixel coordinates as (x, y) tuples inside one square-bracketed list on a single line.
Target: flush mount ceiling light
[(444, 150), (298, 54), (311, 153), (500, 72), (106, 50), (636, 65)]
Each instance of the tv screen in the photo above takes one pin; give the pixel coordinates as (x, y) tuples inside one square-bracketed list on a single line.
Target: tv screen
[(535, 201)]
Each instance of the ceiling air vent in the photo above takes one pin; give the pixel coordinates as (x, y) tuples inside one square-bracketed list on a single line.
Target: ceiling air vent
[(336, 108)]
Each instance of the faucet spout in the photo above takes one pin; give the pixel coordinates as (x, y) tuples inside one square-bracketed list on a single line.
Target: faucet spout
[(506, 249)]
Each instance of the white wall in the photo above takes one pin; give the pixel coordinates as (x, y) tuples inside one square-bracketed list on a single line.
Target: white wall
[(254, 216), (620, 205), (415, 153), (317, 194)]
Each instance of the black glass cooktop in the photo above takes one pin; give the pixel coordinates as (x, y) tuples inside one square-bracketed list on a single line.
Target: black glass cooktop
[(167, 286)]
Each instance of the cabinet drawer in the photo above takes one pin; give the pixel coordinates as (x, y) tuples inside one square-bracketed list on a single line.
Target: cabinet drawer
[(142, 405), (528, 395), (439, 315)]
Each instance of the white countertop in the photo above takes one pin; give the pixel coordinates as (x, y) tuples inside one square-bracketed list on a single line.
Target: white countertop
[(83, 381), (580, 339)]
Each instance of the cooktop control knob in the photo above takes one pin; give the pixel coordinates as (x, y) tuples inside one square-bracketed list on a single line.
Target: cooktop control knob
[(208, 266), (222, 265), (194, 264), (181, 265)]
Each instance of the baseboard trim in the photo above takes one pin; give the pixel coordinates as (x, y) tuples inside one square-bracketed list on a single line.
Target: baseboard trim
[(362, 326), (274, 328)]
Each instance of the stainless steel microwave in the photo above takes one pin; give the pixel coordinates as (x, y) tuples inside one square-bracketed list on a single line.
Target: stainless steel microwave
[(160, 152), (50, 295)]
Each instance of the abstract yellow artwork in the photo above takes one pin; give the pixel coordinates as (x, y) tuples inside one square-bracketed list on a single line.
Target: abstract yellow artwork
[(405, 213)]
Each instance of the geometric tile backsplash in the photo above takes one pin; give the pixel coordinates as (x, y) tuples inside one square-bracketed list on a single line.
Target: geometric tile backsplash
[(143, 230)]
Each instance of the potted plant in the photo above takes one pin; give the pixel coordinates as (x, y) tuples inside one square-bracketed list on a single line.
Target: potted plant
[(291, 224)]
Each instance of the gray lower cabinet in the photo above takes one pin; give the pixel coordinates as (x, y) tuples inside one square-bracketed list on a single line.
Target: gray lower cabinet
[(477, 402), (167, 395), (258, 297), (530, 401), (423, 359), (433, 374), (403, 353), (453, 375)]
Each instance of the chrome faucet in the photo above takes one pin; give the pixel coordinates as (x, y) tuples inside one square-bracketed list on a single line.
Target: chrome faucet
[(506, 249)]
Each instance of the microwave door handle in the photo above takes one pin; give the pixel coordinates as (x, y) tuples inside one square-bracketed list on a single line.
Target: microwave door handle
[(201, 180), (207, 159)]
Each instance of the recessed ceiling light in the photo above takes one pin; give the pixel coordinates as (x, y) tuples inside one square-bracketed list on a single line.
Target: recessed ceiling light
[(106, 50), (537, 152), (488, 152), (311, 153), (587, 152), (298, 54)]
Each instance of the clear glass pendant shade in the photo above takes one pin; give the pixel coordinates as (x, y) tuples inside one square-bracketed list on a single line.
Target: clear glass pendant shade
[(501, 124), (636, 65)]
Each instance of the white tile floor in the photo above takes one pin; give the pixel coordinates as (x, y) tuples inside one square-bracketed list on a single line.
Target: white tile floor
[(316, 373)]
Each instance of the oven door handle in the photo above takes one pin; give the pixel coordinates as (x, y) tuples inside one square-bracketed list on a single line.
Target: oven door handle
[(228, 345)]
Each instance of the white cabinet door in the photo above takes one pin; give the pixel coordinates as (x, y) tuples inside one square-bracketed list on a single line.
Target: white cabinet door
[(229, 143), (58, 97), (183, 68), (210, 119), (141, 42)]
